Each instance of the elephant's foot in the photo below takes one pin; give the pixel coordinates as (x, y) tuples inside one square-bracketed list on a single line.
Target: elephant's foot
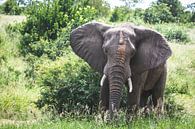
[(146, 111), (131, 113), (107, 116), (156, 111), (159, 108), (102, 110), (111, 116)]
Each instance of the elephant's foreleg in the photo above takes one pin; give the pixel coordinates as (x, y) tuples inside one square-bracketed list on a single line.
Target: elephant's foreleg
[(133, 100), (144, 98), (158, 92), (104, 98), (146, 102)]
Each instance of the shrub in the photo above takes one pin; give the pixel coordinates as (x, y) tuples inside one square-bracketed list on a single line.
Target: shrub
[(126, 14), (178, 82), (175, 6), (11, 7), (45, 22), (69, 85), (120, 14), (158, 14), (173, 109), (178, 35), (173, 32)]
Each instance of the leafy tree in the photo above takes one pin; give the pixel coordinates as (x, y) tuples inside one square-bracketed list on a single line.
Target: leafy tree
[(119, 13), (102, 7), (45, 22), (192, 8), (186, 17), (158, 13), (175, 6), (12, 7), (1, 9)]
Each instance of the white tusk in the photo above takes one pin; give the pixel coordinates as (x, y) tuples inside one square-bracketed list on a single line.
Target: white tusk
[(131, 44), (102, 80), (130, 85), (112, 106)]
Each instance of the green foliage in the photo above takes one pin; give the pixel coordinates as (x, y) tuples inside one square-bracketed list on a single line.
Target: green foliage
[(186, 17), (123, 13), (158, 13), (7, 73), (161, 11), (175, 6), (15, 98), (1, 9), (69, 85), (102, 7), (118, 14), (185, 122), (178, 35), (11, 7), (193, 17), (45, 22), (17, 106), (173, 32), (167, 11), (192, 8)]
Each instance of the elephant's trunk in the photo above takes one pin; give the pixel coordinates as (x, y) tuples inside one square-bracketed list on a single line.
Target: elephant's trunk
[(116, 81)]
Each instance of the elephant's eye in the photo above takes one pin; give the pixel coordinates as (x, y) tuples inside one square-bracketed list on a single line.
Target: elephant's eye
[(105, 50), (132, 52)]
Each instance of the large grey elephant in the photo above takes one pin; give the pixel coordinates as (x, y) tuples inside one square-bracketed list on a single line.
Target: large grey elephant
[(124, 55)]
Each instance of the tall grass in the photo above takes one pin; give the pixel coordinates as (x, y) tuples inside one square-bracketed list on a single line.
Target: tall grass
[(139, 123), (16, 97)]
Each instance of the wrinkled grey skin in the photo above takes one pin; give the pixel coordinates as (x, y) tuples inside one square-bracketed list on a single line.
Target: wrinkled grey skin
[(123, 52)]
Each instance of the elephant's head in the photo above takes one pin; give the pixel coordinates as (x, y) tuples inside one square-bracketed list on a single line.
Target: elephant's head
[(118, 52)]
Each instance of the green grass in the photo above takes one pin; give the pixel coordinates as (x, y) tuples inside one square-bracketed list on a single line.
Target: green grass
[(139, 123), (181, 76), (16, 96)]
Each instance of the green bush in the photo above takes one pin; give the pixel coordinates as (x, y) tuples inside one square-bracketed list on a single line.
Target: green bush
[(1, 9), (118, 14), (69, 85), (178, 35), (173, 109), (125, 14), (173, 32), (158, 14), (44, 24), (178, 82), (11, 7)]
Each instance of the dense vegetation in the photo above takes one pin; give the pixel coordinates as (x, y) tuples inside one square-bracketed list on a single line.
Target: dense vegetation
[(42, 79)]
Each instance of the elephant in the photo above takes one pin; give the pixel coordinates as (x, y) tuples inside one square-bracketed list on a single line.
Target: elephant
[(124, 54)]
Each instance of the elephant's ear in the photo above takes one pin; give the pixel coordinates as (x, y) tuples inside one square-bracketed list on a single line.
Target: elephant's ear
[(152, 49), (86, 42)]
